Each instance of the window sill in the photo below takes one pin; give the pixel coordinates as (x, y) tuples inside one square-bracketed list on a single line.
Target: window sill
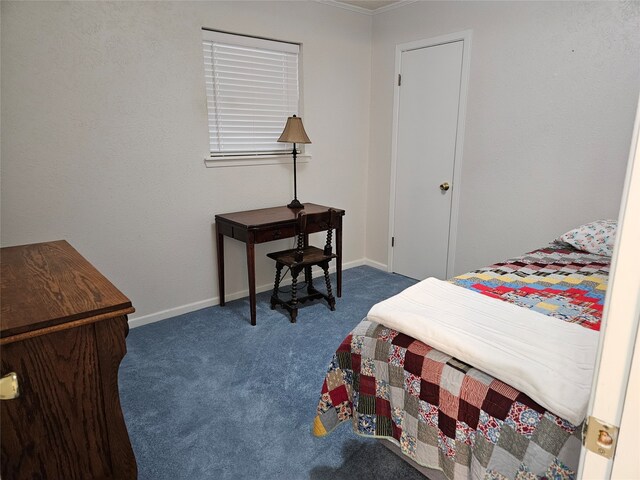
[(210, 162)]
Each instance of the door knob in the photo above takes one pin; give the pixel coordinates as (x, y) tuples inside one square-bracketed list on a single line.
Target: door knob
[(444, 186), (9, 386)]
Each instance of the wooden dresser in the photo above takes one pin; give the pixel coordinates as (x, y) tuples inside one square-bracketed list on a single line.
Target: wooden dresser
[(63, 329)]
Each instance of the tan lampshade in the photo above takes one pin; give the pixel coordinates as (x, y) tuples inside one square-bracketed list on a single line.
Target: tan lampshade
[(294, 131)]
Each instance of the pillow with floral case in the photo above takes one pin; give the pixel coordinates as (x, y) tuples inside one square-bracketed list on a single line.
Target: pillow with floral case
[(595, 237)]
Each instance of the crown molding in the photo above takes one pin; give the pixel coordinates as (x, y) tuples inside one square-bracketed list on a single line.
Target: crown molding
[(365, 11), (393, 6)]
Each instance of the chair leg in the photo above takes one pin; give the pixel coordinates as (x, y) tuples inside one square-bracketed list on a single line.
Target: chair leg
[(276, 286), (332, 300), (309, 279), (294, 294)]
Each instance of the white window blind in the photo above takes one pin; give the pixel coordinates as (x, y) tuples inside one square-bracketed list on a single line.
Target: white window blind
[(252, 87)]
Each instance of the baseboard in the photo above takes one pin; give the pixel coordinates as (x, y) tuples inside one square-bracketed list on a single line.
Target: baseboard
[(374, 264), (192, 307)]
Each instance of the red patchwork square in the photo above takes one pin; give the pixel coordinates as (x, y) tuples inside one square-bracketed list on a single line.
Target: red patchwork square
[(355, 362), (367, 385), (473, 391), (504, 389), (420, 348), (383, 407), (345, 346), (432, 371), (339, 395), (448, 403)]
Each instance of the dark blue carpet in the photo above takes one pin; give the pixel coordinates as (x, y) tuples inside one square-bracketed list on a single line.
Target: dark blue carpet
[(207, 396)]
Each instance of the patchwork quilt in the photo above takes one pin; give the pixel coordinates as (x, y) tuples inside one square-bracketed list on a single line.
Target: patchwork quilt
[(448, 415)]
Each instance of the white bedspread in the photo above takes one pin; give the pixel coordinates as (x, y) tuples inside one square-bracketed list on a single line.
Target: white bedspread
[(546, 358)]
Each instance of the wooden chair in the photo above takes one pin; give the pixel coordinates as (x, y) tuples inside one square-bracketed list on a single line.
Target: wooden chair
[(303, 257)]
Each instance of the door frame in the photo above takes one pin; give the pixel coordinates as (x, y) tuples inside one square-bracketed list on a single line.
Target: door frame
[(465, 37)]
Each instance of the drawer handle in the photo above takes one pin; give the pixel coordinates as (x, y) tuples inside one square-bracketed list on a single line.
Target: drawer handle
[(9, 388)]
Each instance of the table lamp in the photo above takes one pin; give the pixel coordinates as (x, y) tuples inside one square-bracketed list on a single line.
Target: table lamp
[(294, 133)]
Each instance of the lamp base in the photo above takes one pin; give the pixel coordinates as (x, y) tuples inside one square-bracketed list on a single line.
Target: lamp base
[(295, 204)]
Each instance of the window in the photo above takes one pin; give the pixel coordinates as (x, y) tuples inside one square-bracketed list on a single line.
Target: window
[(252, 87)]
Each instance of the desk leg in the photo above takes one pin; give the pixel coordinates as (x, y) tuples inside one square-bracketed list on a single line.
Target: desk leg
[(251, 271), (307, 271), (339, 257), (220, 249)]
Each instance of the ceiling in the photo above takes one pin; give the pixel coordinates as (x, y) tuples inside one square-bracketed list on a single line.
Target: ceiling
[(370, 4)]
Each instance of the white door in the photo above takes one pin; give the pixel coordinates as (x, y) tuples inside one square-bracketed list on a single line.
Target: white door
[(615, 398), (427, 132)]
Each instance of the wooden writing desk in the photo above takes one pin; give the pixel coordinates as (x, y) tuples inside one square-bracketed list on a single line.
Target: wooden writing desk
[(266, 225)]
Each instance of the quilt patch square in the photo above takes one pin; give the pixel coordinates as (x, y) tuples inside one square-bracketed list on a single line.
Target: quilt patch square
[(451, 379), (383, 389), (412, 405), (402, 340), (430, 392), (473, 391), (428, 413), (496, 405), (412, 384), (382, 351), (482, 451), (396, 376), (367, 385), (339, 395), (383, 407), (550, 436), (448, 403), (428, 434), (504, 389), (366, 404), (489, 427), (513, 443), (503, 463), (469, 414), (382, 370), (431, 370), (464, 434), (447, 425), (523, 419), (396, 356), (413, 363), (419, 348)]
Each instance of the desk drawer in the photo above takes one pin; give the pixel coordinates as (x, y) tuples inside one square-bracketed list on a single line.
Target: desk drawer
[(317, 225), (275, 234)]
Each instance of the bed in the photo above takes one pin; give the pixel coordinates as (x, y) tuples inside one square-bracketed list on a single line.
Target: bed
[(450, 409)]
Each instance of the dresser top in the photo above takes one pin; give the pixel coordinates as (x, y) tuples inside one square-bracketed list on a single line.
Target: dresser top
[(48, 284)]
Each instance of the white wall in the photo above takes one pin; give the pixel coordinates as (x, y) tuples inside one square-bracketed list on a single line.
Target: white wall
[(552, 95), (104, 129), (104, 136)]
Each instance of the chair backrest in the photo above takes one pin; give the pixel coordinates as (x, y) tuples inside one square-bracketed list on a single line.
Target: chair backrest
[(330, 218), (301, 228)]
